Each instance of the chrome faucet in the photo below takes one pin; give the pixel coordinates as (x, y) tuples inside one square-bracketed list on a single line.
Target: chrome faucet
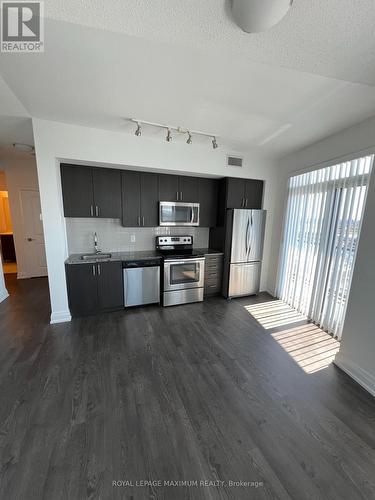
[(97, 250)]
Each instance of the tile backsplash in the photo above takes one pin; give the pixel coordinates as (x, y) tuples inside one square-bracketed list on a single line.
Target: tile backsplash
[(112, 237)]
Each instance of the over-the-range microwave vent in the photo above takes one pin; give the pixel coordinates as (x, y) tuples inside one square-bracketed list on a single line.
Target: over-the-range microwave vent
[(234, 161)]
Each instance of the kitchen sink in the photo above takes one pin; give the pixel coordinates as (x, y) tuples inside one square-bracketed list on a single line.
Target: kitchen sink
[(96, 256)]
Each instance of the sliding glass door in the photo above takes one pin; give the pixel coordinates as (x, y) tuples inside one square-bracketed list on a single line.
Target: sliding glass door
[(321, 233)]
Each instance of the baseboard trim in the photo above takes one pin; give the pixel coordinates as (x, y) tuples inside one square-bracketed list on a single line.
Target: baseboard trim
[(60, 317), (363, 377), (3, 295)]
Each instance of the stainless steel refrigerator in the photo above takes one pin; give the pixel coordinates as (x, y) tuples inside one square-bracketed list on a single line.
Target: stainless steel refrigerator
[(243, 252)]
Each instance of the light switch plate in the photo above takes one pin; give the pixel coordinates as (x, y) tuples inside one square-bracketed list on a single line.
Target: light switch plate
[(132, 238)]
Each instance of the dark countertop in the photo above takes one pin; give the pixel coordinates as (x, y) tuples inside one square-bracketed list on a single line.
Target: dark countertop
[(127, 256)]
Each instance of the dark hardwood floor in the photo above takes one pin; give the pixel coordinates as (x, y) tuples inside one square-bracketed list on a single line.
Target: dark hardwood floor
[(199, 392)]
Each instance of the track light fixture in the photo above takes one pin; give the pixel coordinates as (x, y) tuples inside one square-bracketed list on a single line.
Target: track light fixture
[(138, 132), (175, 130)]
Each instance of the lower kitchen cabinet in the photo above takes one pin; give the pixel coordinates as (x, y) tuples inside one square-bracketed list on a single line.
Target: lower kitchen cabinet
[(94, 287), (213, 274)]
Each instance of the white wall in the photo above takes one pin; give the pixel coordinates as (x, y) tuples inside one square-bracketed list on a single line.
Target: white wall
[(357, 352), (21, 173), (55, 141)]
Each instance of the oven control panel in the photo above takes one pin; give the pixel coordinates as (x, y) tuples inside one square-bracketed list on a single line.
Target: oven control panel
[(173, 240)]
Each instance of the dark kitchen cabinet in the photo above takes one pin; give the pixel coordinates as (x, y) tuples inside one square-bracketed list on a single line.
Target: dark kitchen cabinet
[(235, 193), (110, 285), (139, 199), (94, 287), (149, 199), (178, 188), (168, 187), (254, 193), (239, 193), (82, 288), (107, 193), (188, 187), (77, 191), (208, 199), (91, 192), (131, 196)]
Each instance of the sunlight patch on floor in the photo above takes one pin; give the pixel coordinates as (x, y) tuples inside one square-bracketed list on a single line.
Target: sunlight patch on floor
[(274, 313), (310, 347)]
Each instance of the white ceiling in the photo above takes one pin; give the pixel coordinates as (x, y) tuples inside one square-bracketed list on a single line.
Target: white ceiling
[(186, 63)]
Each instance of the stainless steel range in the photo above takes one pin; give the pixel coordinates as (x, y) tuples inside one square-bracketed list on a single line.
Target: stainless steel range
[(183, 270)]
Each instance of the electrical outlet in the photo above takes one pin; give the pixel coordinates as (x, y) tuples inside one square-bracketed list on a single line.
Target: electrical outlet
[(132, 238)]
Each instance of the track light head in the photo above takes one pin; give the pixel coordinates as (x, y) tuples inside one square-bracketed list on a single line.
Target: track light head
[(138, 132), (169, 136), (189, 139), (214, 143)]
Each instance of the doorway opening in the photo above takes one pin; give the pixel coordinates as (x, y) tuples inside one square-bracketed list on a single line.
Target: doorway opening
[(7, 248)]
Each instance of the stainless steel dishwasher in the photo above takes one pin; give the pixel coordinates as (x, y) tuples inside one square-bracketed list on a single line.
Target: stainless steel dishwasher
[(141, 282)]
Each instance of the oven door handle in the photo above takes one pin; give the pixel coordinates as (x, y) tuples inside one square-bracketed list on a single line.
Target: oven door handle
[(187, 261)]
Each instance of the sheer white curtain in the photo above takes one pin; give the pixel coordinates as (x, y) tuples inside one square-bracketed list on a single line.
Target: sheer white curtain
[(322, 226)]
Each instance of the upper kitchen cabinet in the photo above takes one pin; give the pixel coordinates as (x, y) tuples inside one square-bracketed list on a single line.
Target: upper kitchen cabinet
[(178, 188), (239, 193), (168, 187), (208, 199), (77, 191), (189, 190), (139, 199), (107, 193), (91, 192)]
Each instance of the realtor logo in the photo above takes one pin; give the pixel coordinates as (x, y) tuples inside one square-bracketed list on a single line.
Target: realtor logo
[(22, 26)]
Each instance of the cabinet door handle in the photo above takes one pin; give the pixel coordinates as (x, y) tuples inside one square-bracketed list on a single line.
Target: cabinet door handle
[(177, 195), (99, 270), (93, 270), (96, 210), (91, 211), (139, 220), (246, 202), (143, 221), (181, 197)]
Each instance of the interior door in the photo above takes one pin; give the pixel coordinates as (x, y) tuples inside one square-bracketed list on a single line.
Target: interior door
[(33, 231)]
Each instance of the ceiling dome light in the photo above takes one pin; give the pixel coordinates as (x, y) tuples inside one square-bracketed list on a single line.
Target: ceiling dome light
[(138, 132), (215, 145), (254, 16), (169, 136), (190, 139)]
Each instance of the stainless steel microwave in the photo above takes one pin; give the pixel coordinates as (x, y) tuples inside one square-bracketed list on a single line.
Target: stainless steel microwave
[(174, 213)]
